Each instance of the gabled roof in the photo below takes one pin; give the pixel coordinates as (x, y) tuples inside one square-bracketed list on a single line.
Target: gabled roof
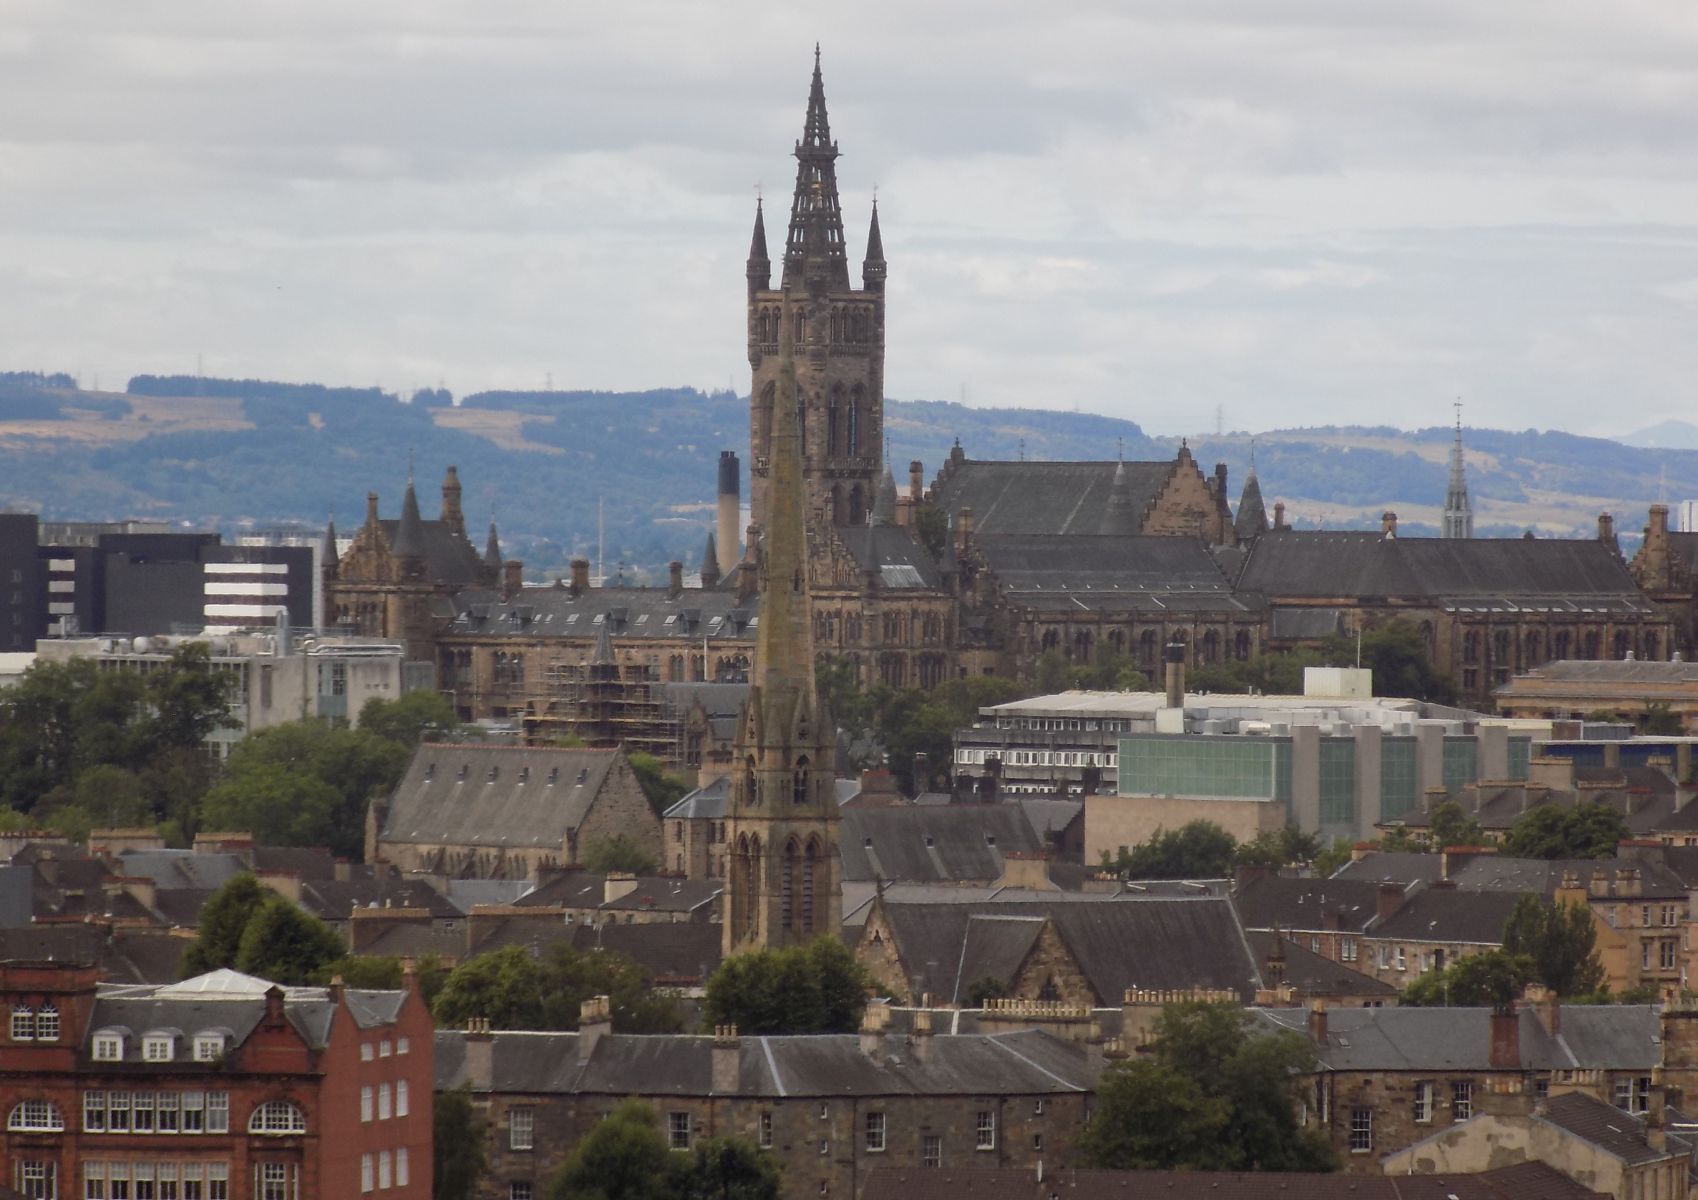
[(901, 561), (1383, 866), (1293, 563), (1044, 498), (696, 614), (1615, 1132), (1095, 562), (469, 795), (668, 950), (707, 802), (1495, 872), (1313, 974), (1119, 942)]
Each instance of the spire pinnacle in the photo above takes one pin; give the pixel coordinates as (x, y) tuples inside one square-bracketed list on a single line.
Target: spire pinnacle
[(813, 248), (409, 530), (873, 267), (492, 549), (1119, 517), (1458, 520)]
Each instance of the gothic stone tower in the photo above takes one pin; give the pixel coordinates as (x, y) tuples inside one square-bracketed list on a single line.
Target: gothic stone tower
[(838, 334), (783, 820)]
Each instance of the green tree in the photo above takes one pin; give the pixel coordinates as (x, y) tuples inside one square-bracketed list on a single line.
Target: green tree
[(285, 944), (1586, 830), (223, 919), (816, 988), (1397, 654), (1561, 942), (620, 852), (410, 718), (1280, 848), (1661, 719), (725, 1168), (189, 700), (506, 987), (988, 987), (1212, 1096), (1450, 825), (623, 1158), (457, 1145), (1493, 978), (838, 682), (1333, 857), (304, 784), (662, 788), (1196, 850), (931, 524)]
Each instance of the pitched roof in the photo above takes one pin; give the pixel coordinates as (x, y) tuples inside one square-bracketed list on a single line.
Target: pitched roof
[(698, 614), (1464, 572), (1616, 1037), (1045, 498), (1282, 902), (901, 561), (667, 950), (448, 557), (1523, 1181), (1383, 866), (1096, 562), (1496, 872), (1119, 942), (709, 801), (1605, 1126), (1447, 914), (1025, 1063), (924, 843), (469, 795), (1312, 974)]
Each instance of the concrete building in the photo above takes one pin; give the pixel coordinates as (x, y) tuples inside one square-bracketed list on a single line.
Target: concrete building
[(1630, 690)]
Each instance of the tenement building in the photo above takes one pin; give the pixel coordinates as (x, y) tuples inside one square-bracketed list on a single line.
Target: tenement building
[(829, 1108), (218, 1087)]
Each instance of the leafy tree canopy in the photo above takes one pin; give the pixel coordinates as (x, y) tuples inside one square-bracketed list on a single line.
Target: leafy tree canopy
[(515, 990), (1212, 1096), (625, 1157), (285, 944), (1586, 830), (1197, 850), (1450, 825), (411, 718), (1561, 942), (662, 788), (1279, 848), (1492, 978), (816, 988), (223, 919), (457, 1145), (621, 852)]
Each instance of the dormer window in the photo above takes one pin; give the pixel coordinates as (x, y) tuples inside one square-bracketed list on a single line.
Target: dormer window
[(23, 1023), (209, 1047), (108, 1046), (159, 1047)]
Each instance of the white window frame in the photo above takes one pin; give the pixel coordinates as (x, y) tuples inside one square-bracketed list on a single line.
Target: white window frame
[(521, 1128), (765, 1137), (1361, 1130), (218, 1112), (928, 1144), (1461, 1099), (403, 1102), (1424, 1102), (368, 1176), (403, 1174), (875, 1130), (385, 1106), (385, 1172), (159, 1047), (277, 1118), (677, 1130), (368, 1106), (47, 1023), (35, 1116), (108, 1046), (23, 1023), (208, 1047), (984, 1130)]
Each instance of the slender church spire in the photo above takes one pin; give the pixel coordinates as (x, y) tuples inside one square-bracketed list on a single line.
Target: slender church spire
[(1252, 519), (1458, 513), (409, 530), (1119, 518), (813, 248), (873, 267), (760, 266), (492, 551), (783, 820)]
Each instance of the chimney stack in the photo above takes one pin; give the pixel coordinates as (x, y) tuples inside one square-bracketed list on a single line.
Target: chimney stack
[(916, 481), (595, 1021), (1389, 900), (480, 1055), (674, 578), (1505, 1052), (512, 577), (874, 1022), (1174, 658), (920, 1038), (580, 576), (728, 512), (1388, 524), (1279, 515), (727, 1060), (1318, 1022)]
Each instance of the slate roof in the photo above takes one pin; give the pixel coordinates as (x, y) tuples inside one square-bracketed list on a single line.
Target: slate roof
[(902, 562), (1313, 974), (181, 868), (1044, 498), (143, 957), (449, 558), (698, 614), (1097, 573), (412, 939), (659, 893), (1281, 902), (1605, 1126), (1637, 679), (1621, 1037), (1644, 796), (335, 900), (1447, 914), (1393, 867), (913, 843), (1305, 624), (1119, 942), (1538, 573), (1495, 872), (469, 795), (721, 702), (309, 862), (1523, 1181), (1024, 1063), (671, 950), (705, 803)]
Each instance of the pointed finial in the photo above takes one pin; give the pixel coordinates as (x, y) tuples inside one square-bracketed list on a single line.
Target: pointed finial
[(1120, 449), (1252, 456), (816, 56)]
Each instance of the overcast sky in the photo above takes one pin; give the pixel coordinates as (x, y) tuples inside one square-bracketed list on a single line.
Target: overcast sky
[(1300, 211)]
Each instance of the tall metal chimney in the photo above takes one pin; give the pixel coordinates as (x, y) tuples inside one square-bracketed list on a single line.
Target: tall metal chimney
[(730, 502), (1174, 661)]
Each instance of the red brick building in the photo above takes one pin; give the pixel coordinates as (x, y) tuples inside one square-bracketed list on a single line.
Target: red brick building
[(221, 1087)]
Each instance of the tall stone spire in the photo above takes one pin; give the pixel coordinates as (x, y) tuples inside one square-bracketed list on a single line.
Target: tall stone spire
[(873, 267), (813, 248), (328, 558), (1458, 513), (492, 551), (1252, 518), (783, 887), (760, 266), (409, 530), (710, 563), (884, 504)]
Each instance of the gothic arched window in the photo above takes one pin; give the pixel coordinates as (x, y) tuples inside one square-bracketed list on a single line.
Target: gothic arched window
[(799, 782)]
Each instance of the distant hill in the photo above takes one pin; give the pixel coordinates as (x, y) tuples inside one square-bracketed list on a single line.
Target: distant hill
[(1664, 435), (226, 453)]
